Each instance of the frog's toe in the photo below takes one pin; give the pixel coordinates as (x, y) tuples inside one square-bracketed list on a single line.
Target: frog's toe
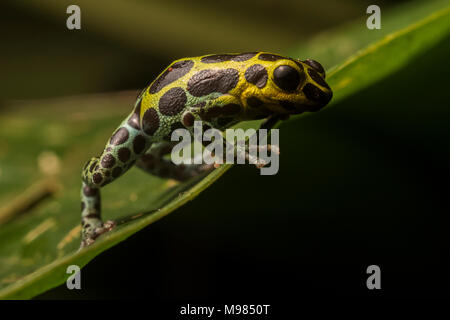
[(266, 148), (89, 238), (86, 242), (107, 226), (273, 148), (260, 163)]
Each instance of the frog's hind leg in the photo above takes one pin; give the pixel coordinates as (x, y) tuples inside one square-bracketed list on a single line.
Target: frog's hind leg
[(91, 222), (125, 146), (155, 163)]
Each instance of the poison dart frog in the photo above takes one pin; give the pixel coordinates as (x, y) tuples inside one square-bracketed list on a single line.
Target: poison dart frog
[(220, 90)]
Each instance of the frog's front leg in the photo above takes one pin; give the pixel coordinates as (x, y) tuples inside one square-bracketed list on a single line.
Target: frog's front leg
[(268, 124), (271, 121), (125, 146), (221, 114)]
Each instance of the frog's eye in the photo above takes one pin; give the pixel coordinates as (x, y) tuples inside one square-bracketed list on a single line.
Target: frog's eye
[(286, 78), (315, 65)]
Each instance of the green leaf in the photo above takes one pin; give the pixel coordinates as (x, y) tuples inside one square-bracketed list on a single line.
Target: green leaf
[(46, 239), (48, 141)]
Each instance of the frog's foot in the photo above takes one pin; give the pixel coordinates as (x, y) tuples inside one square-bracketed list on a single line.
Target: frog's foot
[(107, 226), (249, 153), (90, 235), (266, 148)]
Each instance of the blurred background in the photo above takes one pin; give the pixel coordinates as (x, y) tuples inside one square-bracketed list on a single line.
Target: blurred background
[(126, 44), (361, 183)]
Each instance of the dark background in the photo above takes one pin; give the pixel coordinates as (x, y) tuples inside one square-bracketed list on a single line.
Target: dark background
[(363, 182), (314, 228)]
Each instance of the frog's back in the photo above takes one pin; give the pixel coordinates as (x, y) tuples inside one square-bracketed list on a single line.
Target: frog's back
[(189, 82)]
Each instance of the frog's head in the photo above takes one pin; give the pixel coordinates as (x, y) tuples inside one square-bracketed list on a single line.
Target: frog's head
[(297, 86)]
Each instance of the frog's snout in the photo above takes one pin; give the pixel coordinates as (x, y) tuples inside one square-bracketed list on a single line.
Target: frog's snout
[(316, 89), (320, 97)]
